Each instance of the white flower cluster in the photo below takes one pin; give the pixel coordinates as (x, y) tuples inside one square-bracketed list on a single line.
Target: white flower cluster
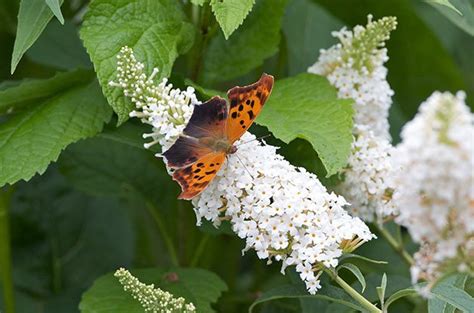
[(168, 110), (356, 68), (282, 212), (152, 299), (368, 183), (435, 186)]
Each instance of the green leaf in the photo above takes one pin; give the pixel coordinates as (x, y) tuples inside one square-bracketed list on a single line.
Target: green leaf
[(33, 17), (230, 14), (398, 295), (198, 286), (381, 289), (360, 257), (307, 28), (28, 90), (115, 162), (32, 139), (55, 7), (59, 46), (204, 93), (327, 292), (459, 12), (156, 30), (445, 3), (356, 271), (199, 2), (63, 240), (306, 106), (249, 46), (447, 292)]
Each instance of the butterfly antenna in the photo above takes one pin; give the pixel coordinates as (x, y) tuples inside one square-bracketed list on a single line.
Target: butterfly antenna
[(244, 165), (262, 137)]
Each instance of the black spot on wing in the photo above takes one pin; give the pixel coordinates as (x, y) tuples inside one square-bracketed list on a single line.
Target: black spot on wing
[(251, 115)]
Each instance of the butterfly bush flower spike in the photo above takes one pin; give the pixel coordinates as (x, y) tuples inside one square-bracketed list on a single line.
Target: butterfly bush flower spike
[(166, 109), (355, 67), (282, 212), (435, 190), (152, 299)]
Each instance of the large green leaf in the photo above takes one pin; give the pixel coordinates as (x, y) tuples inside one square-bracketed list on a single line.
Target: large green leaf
[(62, 240), (419, 64), (198, 286), (55, 6), (156, 30), (307, 28), (33, 17), (231, 13), (459, 43), (306, 106), (459, 12), (29, 90), (328, 292), (59, 46), (116, 162), (33, 138), (249, 46)]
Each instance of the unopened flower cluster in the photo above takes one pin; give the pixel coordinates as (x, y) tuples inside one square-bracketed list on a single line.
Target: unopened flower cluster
[(435, 190), (355, 67), (282, 212), (152, 299), (166, 108)]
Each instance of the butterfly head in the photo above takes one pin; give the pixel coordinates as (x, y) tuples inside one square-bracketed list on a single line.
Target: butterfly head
[(224, 146)]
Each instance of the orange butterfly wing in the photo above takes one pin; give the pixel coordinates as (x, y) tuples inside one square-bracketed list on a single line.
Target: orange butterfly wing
[(195, 178), (194, 161), (193, 157), (245, 105)]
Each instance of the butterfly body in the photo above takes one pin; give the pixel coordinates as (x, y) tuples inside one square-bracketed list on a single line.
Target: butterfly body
[(209, 137)]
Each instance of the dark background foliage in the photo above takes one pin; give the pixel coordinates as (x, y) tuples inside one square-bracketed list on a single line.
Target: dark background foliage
[(108, 203)]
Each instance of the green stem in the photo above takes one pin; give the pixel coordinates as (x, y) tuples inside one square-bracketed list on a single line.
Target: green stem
[(206, 32), (396, 245), (164, 233), (199, 250), (370, 307), (5, 252)]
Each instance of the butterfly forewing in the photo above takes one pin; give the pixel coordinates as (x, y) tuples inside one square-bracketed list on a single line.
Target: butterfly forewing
[(208, 119), (245, 105), (195, 178)]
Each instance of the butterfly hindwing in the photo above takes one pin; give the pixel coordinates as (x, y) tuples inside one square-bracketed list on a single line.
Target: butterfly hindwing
[(185, 151), (245, 105), (194, 178), (208, 119)]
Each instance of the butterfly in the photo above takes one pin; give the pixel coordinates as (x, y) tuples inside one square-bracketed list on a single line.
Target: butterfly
[(209, 137)]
